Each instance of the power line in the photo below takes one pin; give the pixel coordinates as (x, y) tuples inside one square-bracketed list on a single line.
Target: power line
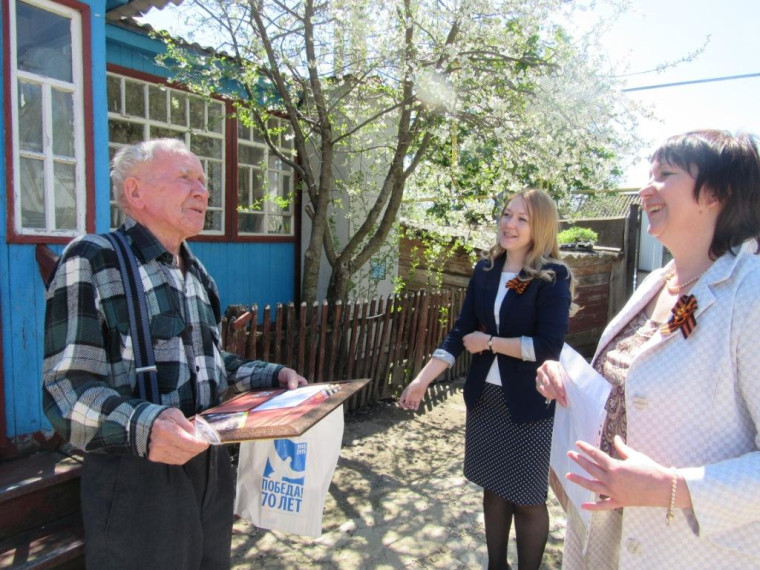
[(692, 82)]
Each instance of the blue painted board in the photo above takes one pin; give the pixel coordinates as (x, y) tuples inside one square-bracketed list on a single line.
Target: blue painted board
[(23, 380), (248, 273)]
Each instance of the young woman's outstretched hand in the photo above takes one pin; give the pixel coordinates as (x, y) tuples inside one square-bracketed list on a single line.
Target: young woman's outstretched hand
[(413, 394)]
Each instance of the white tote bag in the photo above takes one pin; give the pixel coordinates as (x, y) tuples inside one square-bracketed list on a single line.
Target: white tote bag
[(282, 483)]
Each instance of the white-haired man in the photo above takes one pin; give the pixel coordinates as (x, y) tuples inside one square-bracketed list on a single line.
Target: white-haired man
[(153, 494)]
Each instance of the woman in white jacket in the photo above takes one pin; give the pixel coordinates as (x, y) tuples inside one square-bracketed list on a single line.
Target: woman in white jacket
[(677, 473)]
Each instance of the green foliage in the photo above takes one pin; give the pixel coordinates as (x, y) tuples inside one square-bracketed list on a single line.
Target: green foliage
[(578, 234)]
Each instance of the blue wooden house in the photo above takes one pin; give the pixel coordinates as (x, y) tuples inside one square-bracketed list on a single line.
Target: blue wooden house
[(79, 81)]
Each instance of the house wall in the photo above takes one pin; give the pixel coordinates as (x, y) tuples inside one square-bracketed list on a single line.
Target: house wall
[(21, 289), (349, 210), (245, 272)]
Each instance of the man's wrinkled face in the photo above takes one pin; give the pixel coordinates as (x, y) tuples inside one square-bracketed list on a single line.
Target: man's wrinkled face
[(170, 196)]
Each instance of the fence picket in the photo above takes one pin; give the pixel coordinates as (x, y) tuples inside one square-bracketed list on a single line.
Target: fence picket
[(266, 327), (278, 333), (325, 325), (379, 319), (314, 338), (337, 333), (291, 328), (253, 335), (302, 338), (385, 339)]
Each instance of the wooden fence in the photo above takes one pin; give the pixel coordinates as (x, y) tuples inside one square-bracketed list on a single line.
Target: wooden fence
[(385, 339)]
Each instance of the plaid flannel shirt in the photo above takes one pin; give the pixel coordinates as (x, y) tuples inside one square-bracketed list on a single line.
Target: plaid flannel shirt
[(89, 381)]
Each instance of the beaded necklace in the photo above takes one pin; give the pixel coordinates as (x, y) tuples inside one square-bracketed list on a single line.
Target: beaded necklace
[(675, 289)]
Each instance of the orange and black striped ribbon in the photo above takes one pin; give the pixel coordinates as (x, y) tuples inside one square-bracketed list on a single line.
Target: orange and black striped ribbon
[(517, 286), (683, 316)]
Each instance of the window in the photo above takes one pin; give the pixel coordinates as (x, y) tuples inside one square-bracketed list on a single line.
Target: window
[(377, 269), (261, 188), (47, 99), (139, 111), (265, 182)]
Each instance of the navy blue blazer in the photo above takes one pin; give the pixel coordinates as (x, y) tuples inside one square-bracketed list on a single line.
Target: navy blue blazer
[(540, 312)]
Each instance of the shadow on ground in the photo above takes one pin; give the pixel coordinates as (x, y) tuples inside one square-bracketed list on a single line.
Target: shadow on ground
[(398, 498)]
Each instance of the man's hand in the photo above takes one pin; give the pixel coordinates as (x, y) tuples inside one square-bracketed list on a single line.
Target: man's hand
[(172, 439), (290, 379)]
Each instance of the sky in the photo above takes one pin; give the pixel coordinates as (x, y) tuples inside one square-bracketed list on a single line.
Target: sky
[(653, 32)]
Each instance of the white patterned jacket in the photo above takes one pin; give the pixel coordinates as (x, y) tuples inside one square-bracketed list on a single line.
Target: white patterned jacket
[(695, 404)]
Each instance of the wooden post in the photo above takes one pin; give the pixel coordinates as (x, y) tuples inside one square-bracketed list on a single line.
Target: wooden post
[(631, 246)]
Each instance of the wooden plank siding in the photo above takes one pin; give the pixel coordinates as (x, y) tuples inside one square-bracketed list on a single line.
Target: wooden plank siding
[(593, 273), (412, 267), (264, 271), (386, 339), (23, 310)]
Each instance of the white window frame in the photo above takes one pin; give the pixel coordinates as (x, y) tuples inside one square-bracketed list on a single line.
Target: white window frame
[(76, 88), (269, 211), (149, 123)]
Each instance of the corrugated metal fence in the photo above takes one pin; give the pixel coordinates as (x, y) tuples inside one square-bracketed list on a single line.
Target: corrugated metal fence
[(385, 339)]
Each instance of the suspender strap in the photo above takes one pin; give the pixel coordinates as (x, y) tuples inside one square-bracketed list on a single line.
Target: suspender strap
[(139, 327)]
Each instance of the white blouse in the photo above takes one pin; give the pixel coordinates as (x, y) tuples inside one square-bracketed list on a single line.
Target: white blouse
[(526, 342)]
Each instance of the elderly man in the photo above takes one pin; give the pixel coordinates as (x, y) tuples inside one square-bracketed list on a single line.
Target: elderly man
[(153, 494)]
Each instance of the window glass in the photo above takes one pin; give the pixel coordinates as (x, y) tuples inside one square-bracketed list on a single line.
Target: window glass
[(30, 116), (215, 177), (206, 146), (264, 193), (134, 98), (197, 114), (250, 155), (264, 181), (165, 133), (124, 132), (65, 197), (173, 113), (43, 42), (113, 94), (286, 190), (250, 223), (178, 108), (213, 219), (32, 199), (157, 103), (48, 119), (216, 117), (63, 123)]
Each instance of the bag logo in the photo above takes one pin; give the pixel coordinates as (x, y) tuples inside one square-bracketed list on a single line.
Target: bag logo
[(284, 476)]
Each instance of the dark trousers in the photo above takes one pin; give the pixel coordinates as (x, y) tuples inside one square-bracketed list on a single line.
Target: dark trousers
[(141, 514)]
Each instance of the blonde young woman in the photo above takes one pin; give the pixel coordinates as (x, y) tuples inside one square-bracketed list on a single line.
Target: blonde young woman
[(677, 474), (514, 317)]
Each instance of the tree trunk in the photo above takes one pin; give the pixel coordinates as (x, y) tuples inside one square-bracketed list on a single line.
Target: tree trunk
[(340, 281)]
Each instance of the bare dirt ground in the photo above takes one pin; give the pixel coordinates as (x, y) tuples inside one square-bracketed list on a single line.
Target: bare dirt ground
[(397, 500)]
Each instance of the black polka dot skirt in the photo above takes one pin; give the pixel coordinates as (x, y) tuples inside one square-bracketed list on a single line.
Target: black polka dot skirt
[(509, 459)]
